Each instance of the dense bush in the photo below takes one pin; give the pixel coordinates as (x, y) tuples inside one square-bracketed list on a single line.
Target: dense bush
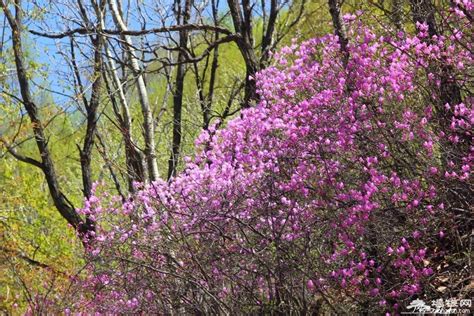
[(342, 190)]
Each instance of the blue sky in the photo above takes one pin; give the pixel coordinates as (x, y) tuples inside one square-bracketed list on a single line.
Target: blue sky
[(55, 74)]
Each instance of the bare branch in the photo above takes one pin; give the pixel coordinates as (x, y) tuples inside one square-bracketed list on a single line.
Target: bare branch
[(21, 157), (174, 28)]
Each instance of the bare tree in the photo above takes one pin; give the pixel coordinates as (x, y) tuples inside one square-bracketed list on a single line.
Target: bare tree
[(339, 28), (148, 125), (63, 205), (243, 24), (136, 166), (92, 105), (206, 99), (182, 16), (243, 17)]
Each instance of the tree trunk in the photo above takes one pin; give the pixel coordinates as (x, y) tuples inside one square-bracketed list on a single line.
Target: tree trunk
[(243, 26), (91, 113), (148, 124), (339, 28), (183, 18), (135, 163)]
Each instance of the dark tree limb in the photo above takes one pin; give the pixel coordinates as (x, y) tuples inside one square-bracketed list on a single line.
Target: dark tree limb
[(183, 16), (205, 100), (20, 157), (243, 25), (102, 151), (173, 28), (268, 34), (21, 255), (91, 109), (206, 106), (339, 27)]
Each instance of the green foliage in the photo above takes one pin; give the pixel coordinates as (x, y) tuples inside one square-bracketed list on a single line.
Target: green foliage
[(37, 247)]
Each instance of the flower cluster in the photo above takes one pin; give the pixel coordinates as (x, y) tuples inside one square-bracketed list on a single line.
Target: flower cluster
[(330, 193)]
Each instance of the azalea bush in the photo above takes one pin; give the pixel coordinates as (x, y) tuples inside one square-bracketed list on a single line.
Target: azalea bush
[(344, 189)]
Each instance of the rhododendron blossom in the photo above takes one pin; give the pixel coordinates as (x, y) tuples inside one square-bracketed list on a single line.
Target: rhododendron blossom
[(332, 191)]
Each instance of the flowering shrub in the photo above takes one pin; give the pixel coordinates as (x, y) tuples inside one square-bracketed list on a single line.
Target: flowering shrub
[(334, 193)]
